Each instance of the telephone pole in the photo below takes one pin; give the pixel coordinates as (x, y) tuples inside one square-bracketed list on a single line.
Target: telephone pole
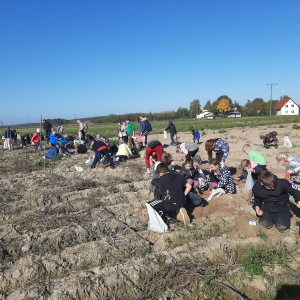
[(271, 84)]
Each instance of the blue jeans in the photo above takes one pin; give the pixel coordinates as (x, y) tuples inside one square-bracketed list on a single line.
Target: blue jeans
[(98, 155), (172, 138), (47, 134)]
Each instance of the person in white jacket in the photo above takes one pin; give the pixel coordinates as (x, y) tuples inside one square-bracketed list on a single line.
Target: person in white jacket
[(124, 152)]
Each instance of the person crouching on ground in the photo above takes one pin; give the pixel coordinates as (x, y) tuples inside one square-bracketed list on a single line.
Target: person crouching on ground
[(188, 149), (153, 146), (36, 139), (255, 156), (292, 165), (190, 173), (253, 167), (220, 177), (174, 188), (221, 147), (271, 201), (196, 135), (100, 148)]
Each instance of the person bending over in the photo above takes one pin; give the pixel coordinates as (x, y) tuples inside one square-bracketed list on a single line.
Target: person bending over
[(196, 135), (270, 201), (153, 146), (189, 149), (255, 156), (174, 188), (221, 147), (253, 167), (100, 148)]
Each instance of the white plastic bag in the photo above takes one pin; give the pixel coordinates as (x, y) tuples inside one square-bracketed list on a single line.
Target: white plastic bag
[(89, 161), (287, 142), (155, 223), (215, 194), (165, 135), (79, 169), (195, 198), (249, 182)]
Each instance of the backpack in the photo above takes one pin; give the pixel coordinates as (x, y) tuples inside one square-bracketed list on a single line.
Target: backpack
[(85, 127), (148, 126)]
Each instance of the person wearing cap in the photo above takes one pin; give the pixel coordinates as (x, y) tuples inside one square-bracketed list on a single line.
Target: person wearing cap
[(172, 130), (36, 138)]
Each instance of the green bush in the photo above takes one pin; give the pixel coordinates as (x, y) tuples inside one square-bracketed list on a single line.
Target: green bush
[(295, 126)]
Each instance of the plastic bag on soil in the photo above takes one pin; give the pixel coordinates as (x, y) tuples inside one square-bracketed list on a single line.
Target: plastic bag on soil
[(195, 198), (142, 153), (155, 223), (249, 182), (215, 194), (165, 135), (79, 169), (287, 142), (89, 161)]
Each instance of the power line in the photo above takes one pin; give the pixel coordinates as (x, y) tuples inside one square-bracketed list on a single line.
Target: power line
[(271, 84)]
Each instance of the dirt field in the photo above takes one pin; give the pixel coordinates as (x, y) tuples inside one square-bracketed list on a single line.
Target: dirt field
[(83, 235)]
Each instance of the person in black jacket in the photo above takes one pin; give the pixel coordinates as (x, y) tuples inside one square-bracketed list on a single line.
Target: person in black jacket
[(47, 127), (270, 201), (100, 148), (25, 139), (172, 130), (190, 173), (9, 135), (174, 188)]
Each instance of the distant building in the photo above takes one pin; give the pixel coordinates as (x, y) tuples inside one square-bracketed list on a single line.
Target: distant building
[(168, 112), (286, 107), (205, 114)]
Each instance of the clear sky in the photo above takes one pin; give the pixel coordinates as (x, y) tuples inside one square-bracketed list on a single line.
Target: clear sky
[(94, 57)]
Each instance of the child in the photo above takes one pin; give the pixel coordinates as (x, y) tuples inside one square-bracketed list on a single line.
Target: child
[(190, 173), (36, 138), (174, 188), (269, 139), (220, 177), (196, 135), (172, 130), (52, 152), (253, 166), (271, 201), (292, 165), (153, 146), (255, 156), (221, 147), (189, 149)]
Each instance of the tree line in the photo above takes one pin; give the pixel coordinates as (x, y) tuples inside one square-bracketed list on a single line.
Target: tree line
[(221, 106)]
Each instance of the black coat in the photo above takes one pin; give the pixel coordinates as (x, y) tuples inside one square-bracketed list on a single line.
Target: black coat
[(275, 200), (171, 128), (189, 174)]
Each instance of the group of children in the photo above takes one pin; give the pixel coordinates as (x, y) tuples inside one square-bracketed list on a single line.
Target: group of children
[(270, 198)]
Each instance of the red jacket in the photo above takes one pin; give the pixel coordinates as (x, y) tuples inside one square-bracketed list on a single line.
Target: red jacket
[(36, 138)]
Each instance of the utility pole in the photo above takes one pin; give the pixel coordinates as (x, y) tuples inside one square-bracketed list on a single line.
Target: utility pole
[(271, 84)]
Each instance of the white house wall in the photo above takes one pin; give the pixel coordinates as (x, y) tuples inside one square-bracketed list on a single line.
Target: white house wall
[(289, 109)]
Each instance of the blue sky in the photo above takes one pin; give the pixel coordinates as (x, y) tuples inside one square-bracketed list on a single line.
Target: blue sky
[(93, 57)]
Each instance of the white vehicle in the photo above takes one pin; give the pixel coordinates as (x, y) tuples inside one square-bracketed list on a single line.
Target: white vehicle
[(235, 114), (205, 115)]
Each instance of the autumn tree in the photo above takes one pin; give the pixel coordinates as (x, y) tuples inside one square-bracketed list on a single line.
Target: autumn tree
[(224, 106), (194, 108), (257, 104)]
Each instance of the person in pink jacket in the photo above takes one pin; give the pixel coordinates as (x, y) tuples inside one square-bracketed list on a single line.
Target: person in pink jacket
[(36, 139)]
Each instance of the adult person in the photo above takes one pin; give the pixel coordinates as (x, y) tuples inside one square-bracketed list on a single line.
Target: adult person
[(120, 135), (47, 127), (36, 139), (130, 131), (144, 127), (221, 147), (60, 129), (188, 149), (154, 148), (172, 129), (124, 132), (100, 149), (8, 135), (81, 132)]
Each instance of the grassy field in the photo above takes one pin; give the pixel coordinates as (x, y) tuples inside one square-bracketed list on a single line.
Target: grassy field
[(110, 129)]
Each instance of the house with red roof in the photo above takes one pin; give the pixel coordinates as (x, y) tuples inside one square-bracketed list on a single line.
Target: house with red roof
[(287, 107)]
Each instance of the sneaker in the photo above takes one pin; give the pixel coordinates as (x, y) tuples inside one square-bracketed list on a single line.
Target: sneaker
[(147, 172), (182, 216)]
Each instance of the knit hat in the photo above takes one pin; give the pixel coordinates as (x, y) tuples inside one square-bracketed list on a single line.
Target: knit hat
[(170, 122)]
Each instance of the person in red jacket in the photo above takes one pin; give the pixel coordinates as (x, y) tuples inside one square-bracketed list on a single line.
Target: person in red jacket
[(153, 147), (36, 139)]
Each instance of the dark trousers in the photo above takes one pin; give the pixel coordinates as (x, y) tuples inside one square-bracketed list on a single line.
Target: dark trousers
[(125, 139), (47, 133), (172, 137), (255, 177), (164, 207), (83, 135), (282, 220), (191, 154), (98, 155), (219, 156), (264, 167)]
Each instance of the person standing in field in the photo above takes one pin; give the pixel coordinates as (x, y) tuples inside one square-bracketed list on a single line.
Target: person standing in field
[(82, 130), (171, 127), (124, 132), (47, 127), (8, 135), (130, 131), (145, 127)]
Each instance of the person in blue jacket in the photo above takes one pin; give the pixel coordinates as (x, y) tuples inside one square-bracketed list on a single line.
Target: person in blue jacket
[(196, 135), (172, 130), (54, 139), (52, 152)]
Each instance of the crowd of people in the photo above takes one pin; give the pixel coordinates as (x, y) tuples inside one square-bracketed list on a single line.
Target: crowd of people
[(172, 185)]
